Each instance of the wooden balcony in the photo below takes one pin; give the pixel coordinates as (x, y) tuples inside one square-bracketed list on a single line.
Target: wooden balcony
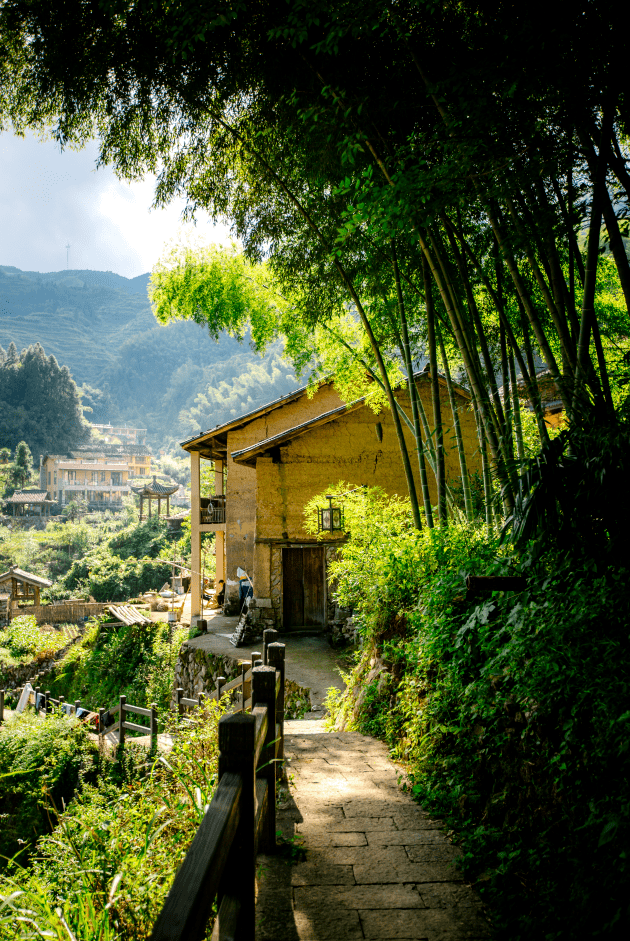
[(212, 511)]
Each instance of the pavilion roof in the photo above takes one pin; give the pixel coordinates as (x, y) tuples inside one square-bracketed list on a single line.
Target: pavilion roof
[(154, 489), (29, 496), (22, 576)]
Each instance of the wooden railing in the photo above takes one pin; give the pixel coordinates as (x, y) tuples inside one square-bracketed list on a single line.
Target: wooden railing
[(241, 818), (122, 710)]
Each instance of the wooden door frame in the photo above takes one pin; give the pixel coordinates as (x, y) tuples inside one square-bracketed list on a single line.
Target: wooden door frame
[(307, 545)]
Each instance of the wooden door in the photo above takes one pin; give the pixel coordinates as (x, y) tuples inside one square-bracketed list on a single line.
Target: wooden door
[(303, 587)]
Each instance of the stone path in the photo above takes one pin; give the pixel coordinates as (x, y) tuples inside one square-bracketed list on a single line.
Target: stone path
[(377, 866)]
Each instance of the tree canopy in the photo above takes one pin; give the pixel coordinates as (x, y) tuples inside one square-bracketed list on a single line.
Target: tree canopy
[(450, 171), (40, 407)]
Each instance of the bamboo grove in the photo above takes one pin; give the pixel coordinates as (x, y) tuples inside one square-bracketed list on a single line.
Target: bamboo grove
[(454, 176)]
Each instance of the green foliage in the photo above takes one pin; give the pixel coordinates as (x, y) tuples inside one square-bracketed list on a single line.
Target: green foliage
[(26, 640), (509, 712), (107, 578), (145, 373), (39, 408), (41, 760), (146, 540), (137, 662), (104, 872)]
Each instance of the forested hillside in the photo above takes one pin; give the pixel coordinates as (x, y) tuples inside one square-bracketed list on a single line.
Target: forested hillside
[(101, 327)]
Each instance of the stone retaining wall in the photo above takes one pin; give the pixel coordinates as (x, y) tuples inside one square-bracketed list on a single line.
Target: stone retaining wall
[(197, 670)]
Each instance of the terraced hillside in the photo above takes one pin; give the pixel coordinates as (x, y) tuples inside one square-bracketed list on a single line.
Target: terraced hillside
[(100, 325)]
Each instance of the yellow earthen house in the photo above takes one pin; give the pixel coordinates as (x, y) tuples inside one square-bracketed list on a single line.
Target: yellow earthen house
[(271, 462)]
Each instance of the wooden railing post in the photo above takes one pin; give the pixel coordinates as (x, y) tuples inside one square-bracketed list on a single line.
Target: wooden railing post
[(77, 705), (237, 742), (276, 656), (179, 692), (1, 705), (269, 637), (264, 694), (121, 726), (37, 688), (245, 684), (256, 659), (220, 682), (62, 700), (154, 726), (47, 702), (101, 720)]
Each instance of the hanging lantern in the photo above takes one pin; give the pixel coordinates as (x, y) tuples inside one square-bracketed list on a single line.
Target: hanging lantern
[(330, 518)]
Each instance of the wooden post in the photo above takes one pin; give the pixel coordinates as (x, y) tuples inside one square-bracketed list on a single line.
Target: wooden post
[(101, 720), (245, 685), (237, 738), (195, 536), (179, 692), (220, 682), (47, 702), (200, 698), (276, 653), (257, 658), (154, 727), (1, 706), (37, 689), (62, 699), (121, 726), (269, 636), (264, 694), (77, 705)]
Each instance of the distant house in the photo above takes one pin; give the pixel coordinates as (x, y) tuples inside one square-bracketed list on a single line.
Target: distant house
[(28, 503), (101, 477), (124, 433), (271, 462)]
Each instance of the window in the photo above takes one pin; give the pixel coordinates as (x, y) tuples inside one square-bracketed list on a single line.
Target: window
[(55, 477), (102, 477), (116, 481), (48, 476)]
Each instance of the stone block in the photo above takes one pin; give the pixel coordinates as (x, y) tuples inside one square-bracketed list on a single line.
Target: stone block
[(429, 924), (358, 896)]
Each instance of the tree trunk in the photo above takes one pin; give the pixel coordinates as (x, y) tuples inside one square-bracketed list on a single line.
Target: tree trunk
[(435, 397)]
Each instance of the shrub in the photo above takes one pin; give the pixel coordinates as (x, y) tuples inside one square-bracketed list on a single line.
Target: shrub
[(510, 713), (137, 662), (104, 872), (41, 760), (25, 639)]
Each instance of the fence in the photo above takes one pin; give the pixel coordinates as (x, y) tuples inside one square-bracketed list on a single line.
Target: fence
[(221, 861), (60, 612), (241, 818)]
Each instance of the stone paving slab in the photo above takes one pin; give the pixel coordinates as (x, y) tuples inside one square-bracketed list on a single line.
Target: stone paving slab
[(377, 866)]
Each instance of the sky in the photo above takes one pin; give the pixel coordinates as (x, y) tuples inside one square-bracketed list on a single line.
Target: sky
[(50, 199)]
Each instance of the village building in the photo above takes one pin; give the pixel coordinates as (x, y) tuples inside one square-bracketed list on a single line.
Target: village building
[(100, 477), (270, 463), (28, 503), (124, 433)]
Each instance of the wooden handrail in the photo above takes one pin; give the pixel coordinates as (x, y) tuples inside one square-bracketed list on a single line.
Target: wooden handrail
[(221, 861)]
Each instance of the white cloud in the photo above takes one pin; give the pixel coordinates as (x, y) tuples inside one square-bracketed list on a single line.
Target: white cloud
[(49, 199)]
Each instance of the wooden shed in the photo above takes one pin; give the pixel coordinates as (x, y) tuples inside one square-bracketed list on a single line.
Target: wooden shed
[(22, 586)]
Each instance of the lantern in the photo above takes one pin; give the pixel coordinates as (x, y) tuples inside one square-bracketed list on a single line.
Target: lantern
[(330, 518)]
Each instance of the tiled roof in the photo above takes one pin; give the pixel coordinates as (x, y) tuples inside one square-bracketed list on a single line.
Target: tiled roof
[(15, 572), (155, 489), (29, 496)]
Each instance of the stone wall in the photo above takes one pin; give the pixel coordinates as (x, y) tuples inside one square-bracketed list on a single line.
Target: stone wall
[(197, 670)]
